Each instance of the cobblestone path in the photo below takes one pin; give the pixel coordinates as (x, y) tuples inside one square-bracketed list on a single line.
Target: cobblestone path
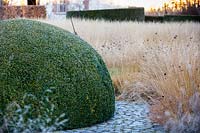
[(129, 118)]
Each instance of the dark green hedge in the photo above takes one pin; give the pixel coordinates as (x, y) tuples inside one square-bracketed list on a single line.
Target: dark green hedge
[(135, 14), (35, 57), (172, 18), (181, 18), (154, 18)]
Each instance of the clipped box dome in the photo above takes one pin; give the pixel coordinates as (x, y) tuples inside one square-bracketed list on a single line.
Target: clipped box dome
[(35, 57)]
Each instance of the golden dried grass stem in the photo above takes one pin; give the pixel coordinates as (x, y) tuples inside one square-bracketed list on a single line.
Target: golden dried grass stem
[(163, 57)]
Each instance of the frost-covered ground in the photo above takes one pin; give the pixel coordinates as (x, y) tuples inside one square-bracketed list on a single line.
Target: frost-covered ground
[(129, 117)]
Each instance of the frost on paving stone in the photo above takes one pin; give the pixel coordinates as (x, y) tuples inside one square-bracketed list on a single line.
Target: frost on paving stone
[(129, 118)]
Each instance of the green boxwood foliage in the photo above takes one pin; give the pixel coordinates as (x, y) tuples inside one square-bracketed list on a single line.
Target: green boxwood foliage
[(135, 14), (35, 57)]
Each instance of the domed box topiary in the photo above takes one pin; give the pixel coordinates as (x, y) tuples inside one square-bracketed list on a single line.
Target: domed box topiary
[(35, 57)]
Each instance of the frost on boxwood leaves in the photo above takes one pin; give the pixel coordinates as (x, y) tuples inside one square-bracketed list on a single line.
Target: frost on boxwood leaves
[(35, 57)]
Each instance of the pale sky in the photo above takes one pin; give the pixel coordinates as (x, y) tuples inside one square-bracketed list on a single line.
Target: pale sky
[(140, 3), (147, 4)]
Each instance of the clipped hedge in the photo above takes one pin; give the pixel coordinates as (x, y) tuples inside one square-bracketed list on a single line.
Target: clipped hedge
[(154, 18), (35, 57), (172, 18), (135, 14), (181, 18)]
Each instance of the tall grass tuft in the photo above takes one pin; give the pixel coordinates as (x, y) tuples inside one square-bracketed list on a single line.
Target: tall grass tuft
[(175, 76), (186, 122), (157, 62)]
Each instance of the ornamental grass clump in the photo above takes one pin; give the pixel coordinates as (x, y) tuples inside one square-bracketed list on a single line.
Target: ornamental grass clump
[(155, 62), (35, 57)]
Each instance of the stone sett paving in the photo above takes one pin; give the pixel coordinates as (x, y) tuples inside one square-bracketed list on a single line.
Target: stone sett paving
[(129, 118)]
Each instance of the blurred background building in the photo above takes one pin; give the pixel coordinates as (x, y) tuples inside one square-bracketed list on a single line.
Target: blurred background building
[(152, 7), (59, 5)]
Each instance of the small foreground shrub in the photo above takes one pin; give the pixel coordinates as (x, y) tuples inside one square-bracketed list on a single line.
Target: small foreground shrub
[(18, 119)]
